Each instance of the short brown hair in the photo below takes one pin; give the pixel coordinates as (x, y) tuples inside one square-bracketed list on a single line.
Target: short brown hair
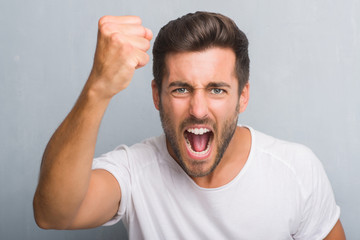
[(197, 32)]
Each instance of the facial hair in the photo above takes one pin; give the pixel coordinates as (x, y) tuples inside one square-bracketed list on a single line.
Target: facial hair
[(228, 130)]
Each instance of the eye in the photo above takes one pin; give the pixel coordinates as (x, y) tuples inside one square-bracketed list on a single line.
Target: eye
[(217, 91), (180, 91)]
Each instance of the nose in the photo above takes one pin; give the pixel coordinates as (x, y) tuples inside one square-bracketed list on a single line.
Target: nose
[(198, 104)]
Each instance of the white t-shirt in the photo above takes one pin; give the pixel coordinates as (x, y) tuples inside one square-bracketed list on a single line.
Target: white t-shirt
[(282, 192)]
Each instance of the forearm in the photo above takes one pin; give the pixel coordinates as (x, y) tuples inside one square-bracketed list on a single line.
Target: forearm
[(66, 165), (65, 172)]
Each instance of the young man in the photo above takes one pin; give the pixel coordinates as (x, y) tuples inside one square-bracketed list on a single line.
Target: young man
[(206, 177)]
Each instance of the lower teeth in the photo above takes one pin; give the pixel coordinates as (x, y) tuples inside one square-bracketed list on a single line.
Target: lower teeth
[(198, 153)]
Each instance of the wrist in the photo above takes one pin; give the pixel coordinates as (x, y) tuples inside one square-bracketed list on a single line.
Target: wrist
[(97, 90)]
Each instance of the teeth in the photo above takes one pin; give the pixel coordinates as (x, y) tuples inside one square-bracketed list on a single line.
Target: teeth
[(198, 131)]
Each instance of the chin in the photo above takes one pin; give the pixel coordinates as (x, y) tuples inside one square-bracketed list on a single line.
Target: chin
[(199, 168)]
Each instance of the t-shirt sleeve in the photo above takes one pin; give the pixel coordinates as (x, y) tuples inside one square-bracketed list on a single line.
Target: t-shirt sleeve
[(116, 162), (319, 210)]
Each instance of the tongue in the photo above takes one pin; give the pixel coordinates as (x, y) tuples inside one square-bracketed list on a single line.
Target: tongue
[(199, 142)]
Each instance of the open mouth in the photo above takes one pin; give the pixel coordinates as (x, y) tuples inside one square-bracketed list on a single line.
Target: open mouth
[(198, 141)]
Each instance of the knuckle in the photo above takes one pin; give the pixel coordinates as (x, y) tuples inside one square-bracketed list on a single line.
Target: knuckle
[(147, 45), (143, 31), (143, 59), (137, 19), (127, 48), (116, 38), (103, 20), (104, 28)]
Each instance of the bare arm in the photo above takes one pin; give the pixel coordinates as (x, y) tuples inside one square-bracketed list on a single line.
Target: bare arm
[(337, 233), (69, 193)]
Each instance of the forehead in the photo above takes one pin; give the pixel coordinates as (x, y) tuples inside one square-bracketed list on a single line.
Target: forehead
[(198, 68)]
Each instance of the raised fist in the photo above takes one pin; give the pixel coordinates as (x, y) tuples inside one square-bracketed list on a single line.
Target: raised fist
[(121, 48)]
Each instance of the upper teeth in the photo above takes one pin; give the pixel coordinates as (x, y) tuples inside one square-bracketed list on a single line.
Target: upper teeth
[(198, 131)]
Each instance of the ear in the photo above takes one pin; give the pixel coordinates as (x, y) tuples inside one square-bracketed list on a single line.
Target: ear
[(244, 98), (155, 94)]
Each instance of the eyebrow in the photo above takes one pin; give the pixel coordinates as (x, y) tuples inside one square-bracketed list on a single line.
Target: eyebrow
[(179, 84), (218, 85), (209, 85)]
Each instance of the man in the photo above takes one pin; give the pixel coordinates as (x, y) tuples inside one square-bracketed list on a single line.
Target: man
[(206, 177)]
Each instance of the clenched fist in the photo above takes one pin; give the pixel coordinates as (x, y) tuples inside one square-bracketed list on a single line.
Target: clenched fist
[(121, 48)]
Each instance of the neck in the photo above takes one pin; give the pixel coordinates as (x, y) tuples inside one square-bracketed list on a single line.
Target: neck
[(232, 161)]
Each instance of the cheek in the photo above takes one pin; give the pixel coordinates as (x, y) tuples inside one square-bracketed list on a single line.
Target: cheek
[(178, 107), (222, 109)]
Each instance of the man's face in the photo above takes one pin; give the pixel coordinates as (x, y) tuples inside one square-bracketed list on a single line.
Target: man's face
[(199, 107)]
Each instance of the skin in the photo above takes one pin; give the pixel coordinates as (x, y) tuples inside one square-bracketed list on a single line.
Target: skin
[(208, 94), (72, 196), (69, 194)]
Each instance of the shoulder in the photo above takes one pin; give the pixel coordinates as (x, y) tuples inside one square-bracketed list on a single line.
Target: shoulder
[(151, 148), (292, 161), (293, 155), (137, 155), (289, 158), (145, 150)]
